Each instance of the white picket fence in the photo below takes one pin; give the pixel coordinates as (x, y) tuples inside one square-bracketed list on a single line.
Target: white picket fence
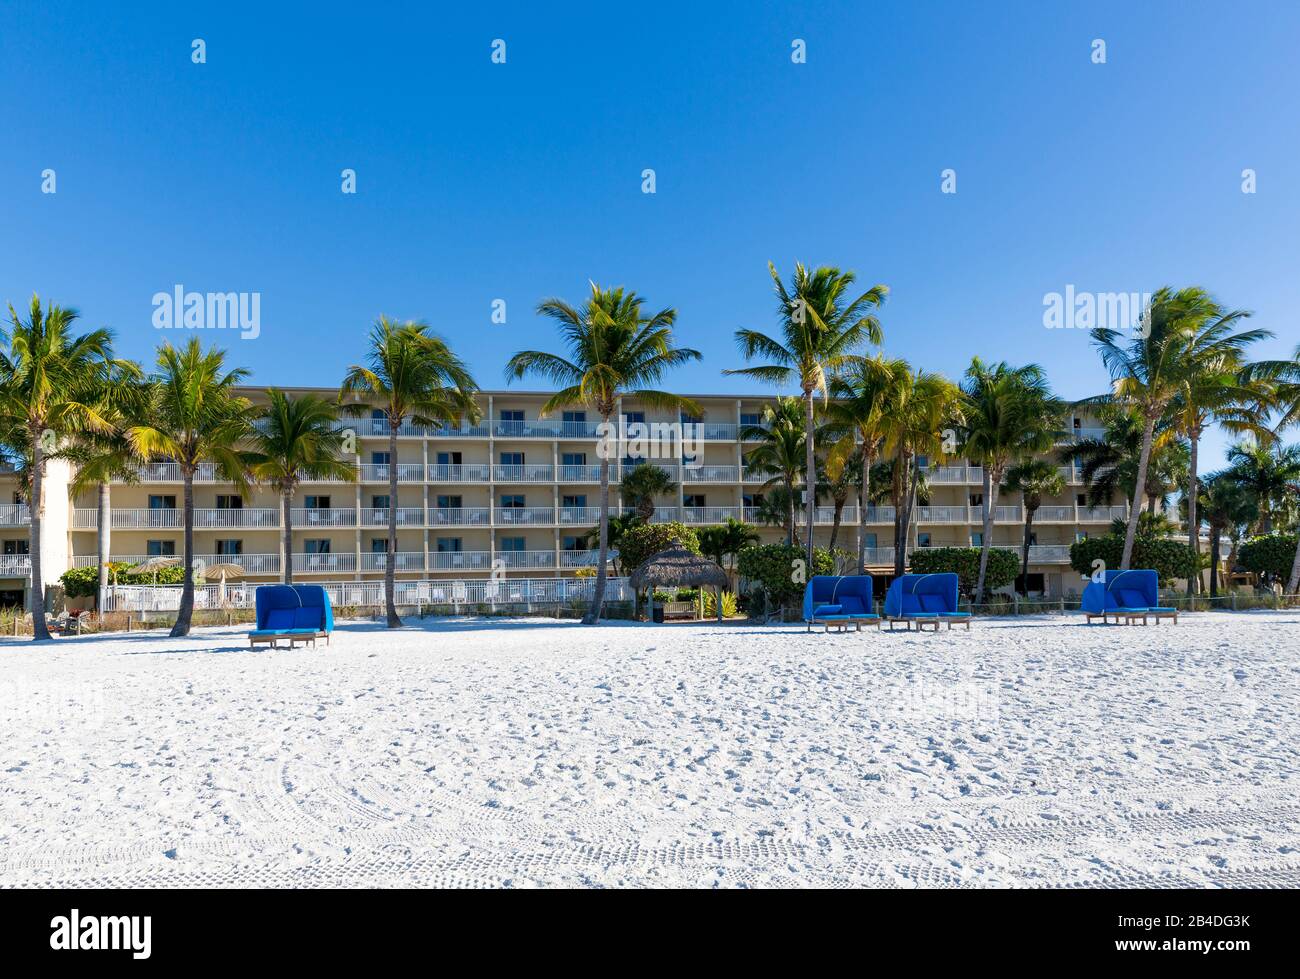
[(458, 595)]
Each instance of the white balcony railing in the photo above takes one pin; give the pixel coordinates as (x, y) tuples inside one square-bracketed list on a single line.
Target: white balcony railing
[(1102, 514), (322, 563), (15, 515), (15, 565), (307, 517), (579, 559), (709, 474), (584, 474), (402, 561), (523, 516), (471, 473), (407, 516), (524, 559), (407, 472), (459, 516), (1054, 514), (523, 474), (1048, 553), (708, 514), (460, 561)]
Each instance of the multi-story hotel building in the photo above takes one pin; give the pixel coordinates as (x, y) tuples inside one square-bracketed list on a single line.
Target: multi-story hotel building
[(514, 491)]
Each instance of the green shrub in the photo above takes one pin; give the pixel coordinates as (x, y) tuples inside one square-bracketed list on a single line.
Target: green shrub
[(84, 582), (1271, 555), (773, 567), (729, 606), (1169, 559), (645, 540), (1002, 568)]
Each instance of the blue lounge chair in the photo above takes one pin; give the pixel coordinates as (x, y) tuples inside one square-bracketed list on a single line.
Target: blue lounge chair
[(1126, 596), (837, 601), (924, 599), (296, 613)]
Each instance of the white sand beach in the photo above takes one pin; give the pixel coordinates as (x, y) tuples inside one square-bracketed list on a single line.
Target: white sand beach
[(1028, 752)]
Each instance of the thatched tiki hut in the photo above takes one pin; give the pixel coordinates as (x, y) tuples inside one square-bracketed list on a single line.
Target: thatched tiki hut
[(676, 567)]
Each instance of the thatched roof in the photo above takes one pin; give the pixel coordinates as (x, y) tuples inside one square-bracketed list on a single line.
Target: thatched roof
[(675, 566)]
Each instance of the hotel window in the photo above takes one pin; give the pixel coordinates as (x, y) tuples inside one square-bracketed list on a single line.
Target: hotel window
[(751, 418), (869, 540), (229, 501), (379, 545), (449, 545), (160, 548), (574, 500), (977, 538), (449, 502), (574, 423), (512, 458), (512, 422), (379, 458), (321, 546), (449, 459), (512, 544), (512, 501), (634, 417), (17, 547), (976, 499), (1033, 538), (923, 462), (694, 500), (923, 539), (570, 543), (1081, 499), (379, 502), (573, 458), (230, 547), (162, 502), (318, 503), (752, 499), (1080, 535)]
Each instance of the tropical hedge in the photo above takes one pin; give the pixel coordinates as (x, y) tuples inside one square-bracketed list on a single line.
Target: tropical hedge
[(1168, 558), (773, 567), (1271, 555), (1002, 569), (84, 582), (647, 539)]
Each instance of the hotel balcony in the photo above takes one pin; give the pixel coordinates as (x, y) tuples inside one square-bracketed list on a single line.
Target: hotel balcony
[(15, 515), (460, 516)]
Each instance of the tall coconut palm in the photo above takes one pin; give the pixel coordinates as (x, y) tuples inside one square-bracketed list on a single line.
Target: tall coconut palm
[(822, 330), (1214, 385), (1268, 474), (778, 451), (1146, 370), (410, 375), (1010, 413), (1227, 506), (865, 395), (1033, 479), (641, 484), (195, 416), (107, 456), (1283, 378), (727, 540), (51, 384), (297, 439), (838, 489), (614, 349)]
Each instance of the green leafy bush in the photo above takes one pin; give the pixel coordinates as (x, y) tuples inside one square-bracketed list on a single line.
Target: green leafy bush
[(729, 606), (1002, 568), (773, 567), (1270, 555), (1169, 559), (645, 540), (84, 582)]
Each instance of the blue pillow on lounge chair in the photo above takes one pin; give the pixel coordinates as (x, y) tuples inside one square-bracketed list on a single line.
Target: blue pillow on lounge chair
[(852, 605), (821, 610)]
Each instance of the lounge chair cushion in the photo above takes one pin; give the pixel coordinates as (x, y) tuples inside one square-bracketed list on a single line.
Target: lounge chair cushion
[(933, 603), (279, 618), (824, 610), (1131, 598), (955, 615), (269, 632)]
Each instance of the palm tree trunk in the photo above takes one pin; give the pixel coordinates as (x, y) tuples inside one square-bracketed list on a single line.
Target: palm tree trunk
[(810, 472), (864, 496), (835, 526), (1024, 566), (902, 511), (602, 553), (990, 504), (186, 613), (789, 511), (1214, 560), (1139, 490), (37, 513), (1293, 583), (103, 542), (390, 559), (1193, 525), (286, 535)]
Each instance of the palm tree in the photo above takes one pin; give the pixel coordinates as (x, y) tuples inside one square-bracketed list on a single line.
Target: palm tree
[(641, 484), (866, 394), (1268, 475), (1226, 506), (779, 452), (1284, 379), (410, 375), (821, 333), (1033, 479), (775, 509), (194, 416), (614, 350), (1146, 371), (837, 489), (104, 457), (930, 405), (296, 440), (727, 540), (1010, 413), (51, 384), (1214, 385)]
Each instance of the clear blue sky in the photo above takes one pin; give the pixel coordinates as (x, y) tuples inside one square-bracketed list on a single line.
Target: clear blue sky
[(479, 181)]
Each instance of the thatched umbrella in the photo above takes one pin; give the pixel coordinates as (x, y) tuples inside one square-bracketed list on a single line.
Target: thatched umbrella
[(154, 564), (677, 567), (222, 571)]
